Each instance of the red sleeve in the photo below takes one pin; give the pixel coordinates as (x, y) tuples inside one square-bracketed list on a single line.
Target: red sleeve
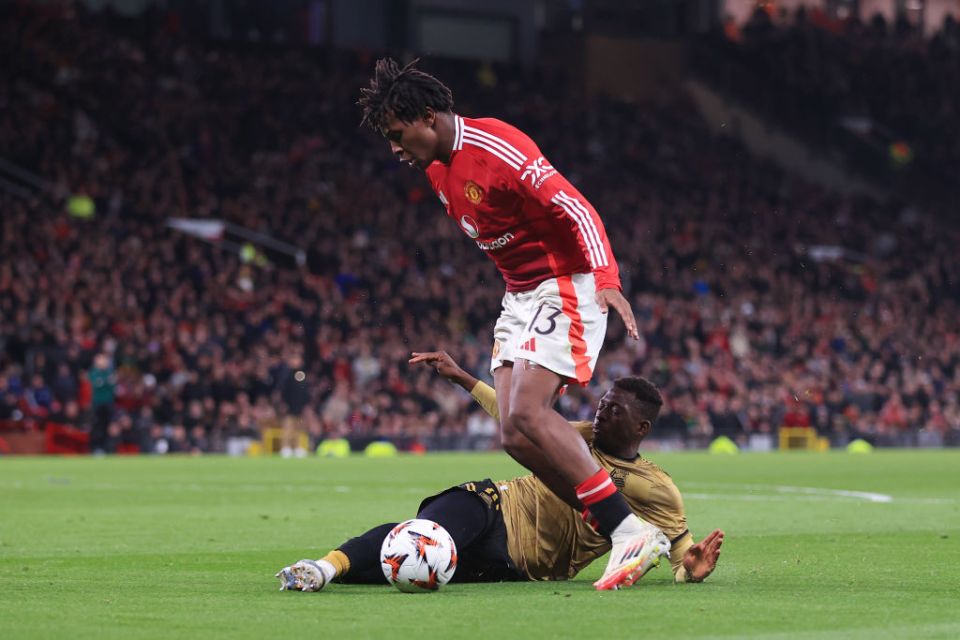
[(538, 181)]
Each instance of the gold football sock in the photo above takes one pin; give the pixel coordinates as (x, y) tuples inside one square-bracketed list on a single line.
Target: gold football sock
[(339, 560)]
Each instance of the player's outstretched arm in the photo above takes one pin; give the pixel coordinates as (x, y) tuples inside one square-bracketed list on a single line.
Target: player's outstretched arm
[(701, 559), (484, 394), (446, 366)]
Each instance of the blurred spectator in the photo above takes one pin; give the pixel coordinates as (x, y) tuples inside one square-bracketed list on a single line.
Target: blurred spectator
[(295, 395), (103, 382)]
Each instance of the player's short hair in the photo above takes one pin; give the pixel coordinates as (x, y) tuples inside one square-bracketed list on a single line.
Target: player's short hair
[(406, 92), (645, 393)]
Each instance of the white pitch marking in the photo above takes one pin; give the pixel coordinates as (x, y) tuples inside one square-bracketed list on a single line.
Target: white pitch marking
[(744, 497), (863, 495), (807, 493)]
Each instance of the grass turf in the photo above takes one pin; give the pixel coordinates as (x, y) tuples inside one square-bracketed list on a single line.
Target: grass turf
[(818, 546)]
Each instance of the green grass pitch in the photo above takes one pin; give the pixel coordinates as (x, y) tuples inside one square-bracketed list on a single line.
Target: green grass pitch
[(818, 546)]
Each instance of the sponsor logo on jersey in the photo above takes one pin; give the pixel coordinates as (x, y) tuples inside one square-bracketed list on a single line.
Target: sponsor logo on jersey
[(469, 226), (473, 192), (538, 172), (499, 243)]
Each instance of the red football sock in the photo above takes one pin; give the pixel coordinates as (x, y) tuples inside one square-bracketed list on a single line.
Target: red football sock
[(600, 496)]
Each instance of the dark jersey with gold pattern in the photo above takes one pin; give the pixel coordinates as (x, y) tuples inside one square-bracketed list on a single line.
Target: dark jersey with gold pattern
[(548, 540)]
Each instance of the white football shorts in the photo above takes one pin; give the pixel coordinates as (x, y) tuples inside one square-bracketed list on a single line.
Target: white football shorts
[(558, 325)]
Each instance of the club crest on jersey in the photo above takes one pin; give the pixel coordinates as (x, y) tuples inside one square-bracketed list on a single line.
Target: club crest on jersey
[(469, 226), (473, 192), (619, 478), (538, 172)]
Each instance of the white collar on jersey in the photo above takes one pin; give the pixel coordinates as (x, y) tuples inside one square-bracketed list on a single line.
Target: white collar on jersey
[(458, 132)]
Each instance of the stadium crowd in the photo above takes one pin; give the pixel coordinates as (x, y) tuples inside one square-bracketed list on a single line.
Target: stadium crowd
[(813, 74), (762, 301)]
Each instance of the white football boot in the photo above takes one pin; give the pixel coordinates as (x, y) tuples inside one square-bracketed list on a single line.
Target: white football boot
[(305, 575), (634, 556)]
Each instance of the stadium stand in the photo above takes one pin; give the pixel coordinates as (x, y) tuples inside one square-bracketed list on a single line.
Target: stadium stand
[(852, 85), (763, 301)]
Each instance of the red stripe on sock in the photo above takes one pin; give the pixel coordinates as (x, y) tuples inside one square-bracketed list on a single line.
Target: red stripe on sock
[(605, 492), (596, 488), (593, 481), (591, 520)]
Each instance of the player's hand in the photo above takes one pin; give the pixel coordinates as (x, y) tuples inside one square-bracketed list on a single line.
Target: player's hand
[(445, 365), (607, 298), (701, 559)]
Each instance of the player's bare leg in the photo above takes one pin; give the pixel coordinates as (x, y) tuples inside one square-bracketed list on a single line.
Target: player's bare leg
[(523, 450), (515, 421), (637, 545)]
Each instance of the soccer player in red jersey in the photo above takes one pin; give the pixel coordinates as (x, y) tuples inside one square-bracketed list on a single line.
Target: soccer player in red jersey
[(561, 278)]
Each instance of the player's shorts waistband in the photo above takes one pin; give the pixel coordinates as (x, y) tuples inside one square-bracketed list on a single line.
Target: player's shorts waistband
[(485, 489), (532, 286)]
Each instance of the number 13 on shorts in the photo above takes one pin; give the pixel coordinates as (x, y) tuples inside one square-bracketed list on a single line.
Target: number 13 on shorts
[(558, 325)]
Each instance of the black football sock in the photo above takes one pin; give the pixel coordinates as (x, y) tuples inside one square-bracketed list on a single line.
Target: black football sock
[(364, 555)]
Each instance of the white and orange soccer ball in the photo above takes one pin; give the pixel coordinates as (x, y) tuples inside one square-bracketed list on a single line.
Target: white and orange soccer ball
[(418, 556)]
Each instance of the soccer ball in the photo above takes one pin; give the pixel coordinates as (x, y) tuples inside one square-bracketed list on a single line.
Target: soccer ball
[(418, 556)]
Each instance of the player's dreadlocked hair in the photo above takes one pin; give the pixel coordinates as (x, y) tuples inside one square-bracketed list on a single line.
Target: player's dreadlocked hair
[(645, 392), (404, 91)]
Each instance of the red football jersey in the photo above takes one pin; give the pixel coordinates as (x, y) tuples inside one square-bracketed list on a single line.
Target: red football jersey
[(519, 210)]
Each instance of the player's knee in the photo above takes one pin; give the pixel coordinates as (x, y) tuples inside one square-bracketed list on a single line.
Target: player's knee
[(512, 440), (523, 422)]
